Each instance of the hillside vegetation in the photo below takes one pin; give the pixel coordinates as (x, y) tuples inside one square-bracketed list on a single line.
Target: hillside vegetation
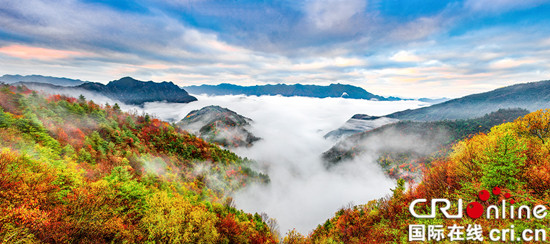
[(72, 171), (514, 157), (405, 147)]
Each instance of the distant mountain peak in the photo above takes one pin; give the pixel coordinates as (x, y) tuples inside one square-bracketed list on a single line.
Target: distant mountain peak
[(126, 81), (132, 91)]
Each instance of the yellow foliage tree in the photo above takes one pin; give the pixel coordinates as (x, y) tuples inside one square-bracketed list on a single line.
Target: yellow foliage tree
[(536, 123), (172, 219)]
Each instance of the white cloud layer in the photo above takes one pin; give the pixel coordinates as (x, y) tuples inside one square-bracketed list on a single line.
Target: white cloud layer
[(302, 194)]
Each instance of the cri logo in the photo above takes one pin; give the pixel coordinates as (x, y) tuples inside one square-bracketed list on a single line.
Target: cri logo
[(475, 209)]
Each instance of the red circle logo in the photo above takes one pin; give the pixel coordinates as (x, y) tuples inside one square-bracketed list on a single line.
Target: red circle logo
[(474, 210)]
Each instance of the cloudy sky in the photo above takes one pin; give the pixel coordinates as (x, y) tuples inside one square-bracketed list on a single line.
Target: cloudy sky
[(407, 48)]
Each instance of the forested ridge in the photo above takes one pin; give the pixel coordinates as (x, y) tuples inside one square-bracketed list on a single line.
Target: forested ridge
[(512, 158), (72, 171)]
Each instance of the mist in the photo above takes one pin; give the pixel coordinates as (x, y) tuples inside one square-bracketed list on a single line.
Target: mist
[(302, 192), (73, 92)]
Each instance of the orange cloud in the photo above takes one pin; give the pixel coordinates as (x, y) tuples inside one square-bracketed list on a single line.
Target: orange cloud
[(27, 52)]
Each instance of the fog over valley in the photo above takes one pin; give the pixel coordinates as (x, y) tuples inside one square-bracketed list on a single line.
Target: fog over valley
[(302, 193)]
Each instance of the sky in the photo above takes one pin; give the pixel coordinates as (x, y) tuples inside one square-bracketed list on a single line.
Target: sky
[(408, 48)]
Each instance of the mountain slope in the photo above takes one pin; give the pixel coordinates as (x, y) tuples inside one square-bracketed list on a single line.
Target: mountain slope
[(131, 91), (403, 146), (72, 171), (531, 96), (333, 90), (219, 125), (41, 79), (510, 163)]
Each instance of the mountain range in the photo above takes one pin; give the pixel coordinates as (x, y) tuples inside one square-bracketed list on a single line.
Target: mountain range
[(530, 96), (60, 81), (332, 90)]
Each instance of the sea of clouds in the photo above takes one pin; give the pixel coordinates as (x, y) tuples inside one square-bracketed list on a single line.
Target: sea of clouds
[(302, 193)]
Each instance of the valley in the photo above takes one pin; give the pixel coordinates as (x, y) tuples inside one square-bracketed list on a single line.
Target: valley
[(302, 169)]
